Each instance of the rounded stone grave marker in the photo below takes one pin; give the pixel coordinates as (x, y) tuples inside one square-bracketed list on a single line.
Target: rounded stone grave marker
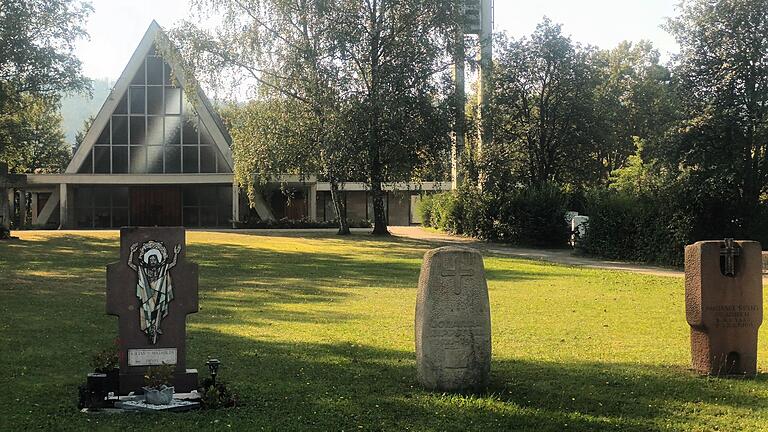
[(453, 321)]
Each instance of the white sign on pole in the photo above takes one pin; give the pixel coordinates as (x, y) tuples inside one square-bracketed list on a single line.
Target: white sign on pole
[(470, 16)]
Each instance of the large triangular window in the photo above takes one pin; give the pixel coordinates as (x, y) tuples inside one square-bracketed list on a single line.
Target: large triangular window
[(154, 130)]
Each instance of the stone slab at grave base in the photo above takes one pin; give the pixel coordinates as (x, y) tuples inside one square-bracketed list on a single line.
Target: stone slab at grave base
[(132, 404), (182, 381), (724, 306), (176, 405)]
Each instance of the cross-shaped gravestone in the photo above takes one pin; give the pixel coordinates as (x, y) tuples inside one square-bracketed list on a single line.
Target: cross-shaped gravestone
[(459, 267), (152, 289), (729, 253)]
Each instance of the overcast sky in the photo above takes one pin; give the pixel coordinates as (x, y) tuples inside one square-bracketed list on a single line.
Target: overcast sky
[(116, 26)]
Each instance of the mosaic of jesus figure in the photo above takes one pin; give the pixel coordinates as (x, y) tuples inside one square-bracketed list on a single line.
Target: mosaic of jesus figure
[(154, 287)]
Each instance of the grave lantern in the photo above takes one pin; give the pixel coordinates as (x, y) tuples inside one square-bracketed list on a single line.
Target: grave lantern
[(213, 368)]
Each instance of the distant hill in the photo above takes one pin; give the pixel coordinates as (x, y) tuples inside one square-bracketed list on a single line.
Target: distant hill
[(75, 109)]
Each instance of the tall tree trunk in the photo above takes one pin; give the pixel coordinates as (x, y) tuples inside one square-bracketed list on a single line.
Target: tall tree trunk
[(374, 135), (374, 156), (340, 208), (379, 215)]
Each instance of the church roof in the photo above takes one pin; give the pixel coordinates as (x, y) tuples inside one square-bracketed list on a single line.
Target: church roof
[(208, 116)]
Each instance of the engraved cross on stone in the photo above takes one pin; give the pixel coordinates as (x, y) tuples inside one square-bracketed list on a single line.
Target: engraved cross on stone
[(729, 253), (458, 266)]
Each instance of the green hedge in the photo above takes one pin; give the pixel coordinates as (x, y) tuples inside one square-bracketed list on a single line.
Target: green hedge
[(635, 228), (533, 216), (653, 226)]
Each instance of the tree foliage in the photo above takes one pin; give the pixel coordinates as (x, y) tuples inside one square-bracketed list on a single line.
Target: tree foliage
[(721, 142), (80, 135), (634, 102), (702, 175), (571, 114), (393, 51), (37, 64), (32, 138), (543, 110), (680, 147), (346, 78), (299, 122)]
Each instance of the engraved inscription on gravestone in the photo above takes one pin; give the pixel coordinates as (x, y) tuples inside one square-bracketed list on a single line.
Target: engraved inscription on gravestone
[(724, 305), (152, 357), (453, 324), (152, 289)]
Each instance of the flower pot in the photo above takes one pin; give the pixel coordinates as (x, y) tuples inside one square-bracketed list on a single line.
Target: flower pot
[(158, 396)]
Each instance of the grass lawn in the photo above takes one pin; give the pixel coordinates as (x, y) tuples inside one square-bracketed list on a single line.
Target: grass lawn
[(316, 332)]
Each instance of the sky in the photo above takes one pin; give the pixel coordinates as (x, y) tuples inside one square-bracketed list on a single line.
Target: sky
[(116, 26)]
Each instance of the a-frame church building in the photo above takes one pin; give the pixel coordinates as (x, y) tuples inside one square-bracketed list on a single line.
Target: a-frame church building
[(157, 154)]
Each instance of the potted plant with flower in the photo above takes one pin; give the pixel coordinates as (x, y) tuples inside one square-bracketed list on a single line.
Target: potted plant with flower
[(157, 385), (106, 362)]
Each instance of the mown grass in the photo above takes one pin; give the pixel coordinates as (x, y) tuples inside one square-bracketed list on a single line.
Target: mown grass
[(316, 333)]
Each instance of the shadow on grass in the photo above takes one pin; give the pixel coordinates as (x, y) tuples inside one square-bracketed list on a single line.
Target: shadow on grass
[(342, 386), (345, 386), (299, 386)]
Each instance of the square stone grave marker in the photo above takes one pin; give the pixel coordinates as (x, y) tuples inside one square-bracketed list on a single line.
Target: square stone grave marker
[(724, 305)]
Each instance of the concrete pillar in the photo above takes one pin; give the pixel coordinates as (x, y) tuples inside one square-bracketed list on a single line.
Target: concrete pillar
[(5, 219), (457, 147), (312, 204), (22, 208), (235, 204), (11, 204), (35, 209), (63, 206), (486, 84)]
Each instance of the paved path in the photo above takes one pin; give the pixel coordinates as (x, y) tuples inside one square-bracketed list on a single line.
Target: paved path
[(560, 256)]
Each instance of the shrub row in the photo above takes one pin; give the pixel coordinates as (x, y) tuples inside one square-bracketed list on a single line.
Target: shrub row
[(533, 216), (651, 227), (635, 228)]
